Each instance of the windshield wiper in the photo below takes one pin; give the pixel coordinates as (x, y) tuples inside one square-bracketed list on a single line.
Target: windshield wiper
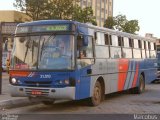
[(27, 46), (42, 48)]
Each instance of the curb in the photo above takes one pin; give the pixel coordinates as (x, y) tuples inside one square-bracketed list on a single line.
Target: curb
[(16, 103)]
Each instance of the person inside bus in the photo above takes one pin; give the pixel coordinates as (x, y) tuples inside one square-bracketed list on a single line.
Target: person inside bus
[(83, 61), (82, 54)]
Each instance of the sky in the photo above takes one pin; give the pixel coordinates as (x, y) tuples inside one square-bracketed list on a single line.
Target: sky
[(145, 11)]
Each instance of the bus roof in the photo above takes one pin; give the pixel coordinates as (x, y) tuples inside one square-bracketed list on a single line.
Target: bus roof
[(96, 28), (46, 22)]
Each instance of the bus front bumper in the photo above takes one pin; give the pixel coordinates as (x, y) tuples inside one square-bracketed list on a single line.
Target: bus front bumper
[(53, 93)]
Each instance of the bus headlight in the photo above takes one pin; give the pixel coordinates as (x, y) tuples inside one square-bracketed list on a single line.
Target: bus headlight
[(66, 82), (13, 81)]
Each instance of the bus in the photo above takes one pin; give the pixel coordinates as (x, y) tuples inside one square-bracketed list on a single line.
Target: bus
[(47, 65)]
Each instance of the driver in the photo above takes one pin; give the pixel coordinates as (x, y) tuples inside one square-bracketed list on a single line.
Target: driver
[(62, 46)]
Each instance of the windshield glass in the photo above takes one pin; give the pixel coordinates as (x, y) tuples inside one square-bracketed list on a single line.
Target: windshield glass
[(52, 52)]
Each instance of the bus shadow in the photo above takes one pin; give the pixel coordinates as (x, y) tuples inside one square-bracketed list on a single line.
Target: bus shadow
[(73, 106)]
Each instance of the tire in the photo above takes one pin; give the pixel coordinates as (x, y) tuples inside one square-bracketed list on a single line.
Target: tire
[(97, 96), (48, 102), (141, 88)]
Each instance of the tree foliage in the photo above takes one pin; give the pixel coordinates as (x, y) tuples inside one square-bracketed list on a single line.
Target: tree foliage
[(131, 26), (55, 9), (83, 15), (110, 23), (121, 23)]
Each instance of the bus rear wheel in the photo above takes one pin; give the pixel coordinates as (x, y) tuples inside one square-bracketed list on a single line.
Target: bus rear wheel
[(141, 88), (97, 95)]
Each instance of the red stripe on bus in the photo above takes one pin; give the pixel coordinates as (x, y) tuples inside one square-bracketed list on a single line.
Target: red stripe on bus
[(135, 76), (19, 73), (123, 70)]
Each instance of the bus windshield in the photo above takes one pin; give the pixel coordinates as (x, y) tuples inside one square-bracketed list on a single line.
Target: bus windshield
[(51, 52)]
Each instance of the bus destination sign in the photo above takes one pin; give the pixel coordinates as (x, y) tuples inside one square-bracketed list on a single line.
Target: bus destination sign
[(47, 28), (42, 28)]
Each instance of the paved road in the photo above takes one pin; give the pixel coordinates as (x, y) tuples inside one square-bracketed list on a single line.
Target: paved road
[(125, 103)]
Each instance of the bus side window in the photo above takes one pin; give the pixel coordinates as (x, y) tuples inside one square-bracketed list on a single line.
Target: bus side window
[(131, 43), (115, 49), (106, 39)]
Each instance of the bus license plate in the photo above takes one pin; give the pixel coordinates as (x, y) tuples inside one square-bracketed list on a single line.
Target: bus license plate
[(36, 92)]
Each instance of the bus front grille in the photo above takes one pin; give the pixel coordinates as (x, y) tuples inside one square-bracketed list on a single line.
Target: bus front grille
[(38, 83)]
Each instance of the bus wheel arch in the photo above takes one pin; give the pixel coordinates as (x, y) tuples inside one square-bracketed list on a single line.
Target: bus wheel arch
[(98, 94)]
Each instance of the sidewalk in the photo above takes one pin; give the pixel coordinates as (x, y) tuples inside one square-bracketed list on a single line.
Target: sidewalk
[(6, 101)]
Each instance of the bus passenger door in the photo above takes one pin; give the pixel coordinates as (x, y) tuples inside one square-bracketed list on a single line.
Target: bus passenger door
[(85, 59)]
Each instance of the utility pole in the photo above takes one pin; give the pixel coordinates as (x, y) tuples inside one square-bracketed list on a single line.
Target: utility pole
[(1, 41)]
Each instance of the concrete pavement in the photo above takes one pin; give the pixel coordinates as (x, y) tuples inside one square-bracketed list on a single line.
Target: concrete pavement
[(6, 101)]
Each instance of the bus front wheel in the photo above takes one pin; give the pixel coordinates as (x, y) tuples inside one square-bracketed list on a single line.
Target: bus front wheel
[(97, 95)]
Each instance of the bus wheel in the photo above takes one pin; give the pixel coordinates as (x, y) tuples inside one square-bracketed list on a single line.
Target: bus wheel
[(48, 102), (140, 89), (97, 95)]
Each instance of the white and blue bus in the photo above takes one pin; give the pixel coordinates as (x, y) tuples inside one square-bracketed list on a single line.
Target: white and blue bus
[(60, 59)]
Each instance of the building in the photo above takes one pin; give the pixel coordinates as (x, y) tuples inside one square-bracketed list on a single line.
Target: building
[(101, 8), (13, 16), (8, 22)]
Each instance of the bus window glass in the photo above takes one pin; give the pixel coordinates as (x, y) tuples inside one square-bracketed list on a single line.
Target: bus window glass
[(119, 41), (25, 53), (136, 43), (115, 52), (114, 40), (136, 53), (146, 45), (149, 45), (85, 54), (102, 51), (131, 43), (143, 54), (127, 53), (126, 42), (152, 45), (56, 52), (142, 42), (147, 53), (139, 44), (100, 38), (106, 39), (153, 54)]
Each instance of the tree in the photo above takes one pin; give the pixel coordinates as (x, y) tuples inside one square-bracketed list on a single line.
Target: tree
[(121, 23), (131, 26), (83, 15), (55, 9), (109, 22), (33, 8)]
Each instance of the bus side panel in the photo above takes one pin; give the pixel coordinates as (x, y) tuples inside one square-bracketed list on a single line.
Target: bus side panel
[(108, 70), (150, 70)]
